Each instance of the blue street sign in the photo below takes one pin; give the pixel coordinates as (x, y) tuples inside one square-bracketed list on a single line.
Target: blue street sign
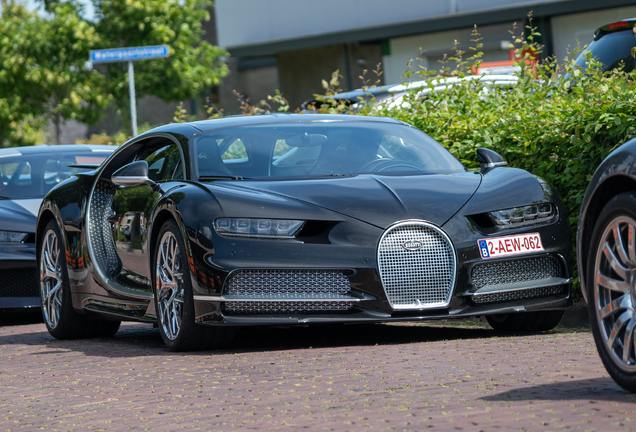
[(129, 54)]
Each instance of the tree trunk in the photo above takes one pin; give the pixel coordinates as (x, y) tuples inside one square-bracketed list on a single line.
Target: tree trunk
[(57, 122)]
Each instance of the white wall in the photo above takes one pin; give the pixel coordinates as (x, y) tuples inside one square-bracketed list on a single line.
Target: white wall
[(248, 22), (568, 29)]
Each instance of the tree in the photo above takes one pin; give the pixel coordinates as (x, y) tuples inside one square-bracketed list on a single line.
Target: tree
[(193, 65), (74, 89), (20, 51)]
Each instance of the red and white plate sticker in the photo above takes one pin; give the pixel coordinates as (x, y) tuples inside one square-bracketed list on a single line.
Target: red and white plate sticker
[(510, 245)]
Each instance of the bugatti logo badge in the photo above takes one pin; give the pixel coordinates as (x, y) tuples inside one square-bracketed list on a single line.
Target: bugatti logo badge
[(412, 245)]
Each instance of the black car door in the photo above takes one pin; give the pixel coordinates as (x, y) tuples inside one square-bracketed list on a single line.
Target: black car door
[(131, 210)]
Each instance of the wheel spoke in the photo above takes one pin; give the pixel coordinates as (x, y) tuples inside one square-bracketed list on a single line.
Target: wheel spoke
[(611, 308), (616, 329), (620, 247), (612, 284), (614, 263), (631, 243)]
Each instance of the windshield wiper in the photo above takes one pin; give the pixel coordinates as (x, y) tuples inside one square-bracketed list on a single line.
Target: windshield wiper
[(211, 178)]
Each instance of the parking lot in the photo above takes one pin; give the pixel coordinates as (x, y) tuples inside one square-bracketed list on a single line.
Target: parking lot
[(447, 375)]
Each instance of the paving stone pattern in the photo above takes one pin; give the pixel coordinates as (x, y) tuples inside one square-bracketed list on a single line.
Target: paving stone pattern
[(401, 377)]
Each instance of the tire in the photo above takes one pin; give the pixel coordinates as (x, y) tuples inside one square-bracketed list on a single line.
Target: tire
[(611, 295), (525, 321), (59, 316), (174, 300)]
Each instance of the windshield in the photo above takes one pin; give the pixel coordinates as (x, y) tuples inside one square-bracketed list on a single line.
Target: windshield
[(33, 175), (320, 149), (610, 50)]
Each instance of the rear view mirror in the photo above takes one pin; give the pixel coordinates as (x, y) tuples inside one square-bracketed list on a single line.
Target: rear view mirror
[(133, 174), (306, 140), (489, 159)]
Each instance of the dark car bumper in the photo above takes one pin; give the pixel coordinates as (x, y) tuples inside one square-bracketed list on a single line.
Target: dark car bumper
[(18, 276)]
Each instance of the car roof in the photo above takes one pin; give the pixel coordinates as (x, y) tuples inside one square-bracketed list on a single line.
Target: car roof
[(64, 148), (283, 118), (354, 95)]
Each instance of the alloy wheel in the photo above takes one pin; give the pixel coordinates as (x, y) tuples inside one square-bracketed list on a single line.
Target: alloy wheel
[(614, 291), (51, 279), (170, 290)]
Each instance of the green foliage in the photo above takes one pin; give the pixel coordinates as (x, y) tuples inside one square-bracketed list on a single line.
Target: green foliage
[(20, 96), (116, 139), (74, 89)]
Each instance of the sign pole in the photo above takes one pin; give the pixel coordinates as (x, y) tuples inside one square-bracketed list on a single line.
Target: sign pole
[(133, 102), (129, 55)]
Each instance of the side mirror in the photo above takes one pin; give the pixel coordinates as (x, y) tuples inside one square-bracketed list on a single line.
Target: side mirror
[(133, 174), (489, 159)]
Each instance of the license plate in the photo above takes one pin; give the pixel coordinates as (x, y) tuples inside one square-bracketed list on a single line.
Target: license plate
[(510, 245)]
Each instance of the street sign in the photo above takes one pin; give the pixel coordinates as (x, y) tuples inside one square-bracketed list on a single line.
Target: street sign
[(129, 54)]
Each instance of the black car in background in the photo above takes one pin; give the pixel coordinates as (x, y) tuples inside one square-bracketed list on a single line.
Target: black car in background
[(296, 219), (612, 45), (26, 175), (606, 252)]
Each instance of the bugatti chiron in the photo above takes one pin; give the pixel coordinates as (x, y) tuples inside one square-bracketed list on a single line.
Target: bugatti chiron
[(289, 219)]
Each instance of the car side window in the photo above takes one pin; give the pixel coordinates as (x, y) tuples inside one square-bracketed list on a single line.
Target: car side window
[(163, 162)]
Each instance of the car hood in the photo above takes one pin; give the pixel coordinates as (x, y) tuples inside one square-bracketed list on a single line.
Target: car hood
[(378, 200), (19, 215)]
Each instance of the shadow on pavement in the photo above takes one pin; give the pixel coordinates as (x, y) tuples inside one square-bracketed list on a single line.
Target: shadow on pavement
[(143, 340), (595, 388), (16, 317)]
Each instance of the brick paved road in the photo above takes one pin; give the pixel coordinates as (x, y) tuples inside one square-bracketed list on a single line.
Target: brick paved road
[(373, 377)]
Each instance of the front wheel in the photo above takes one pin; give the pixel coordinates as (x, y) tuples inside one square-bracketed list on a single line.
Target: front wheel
[(611, 282), (59, 316), (174, 298), (525, 321)]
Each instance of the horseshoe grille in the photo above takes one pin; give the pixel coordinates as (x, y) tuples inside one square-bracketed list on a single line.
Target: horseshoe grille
[(417, 266)]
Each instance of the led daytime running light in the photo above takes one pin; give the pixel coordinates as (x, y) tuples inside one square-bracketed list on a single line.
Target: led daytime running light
[(257, 227), (12, 236), (526, 215)]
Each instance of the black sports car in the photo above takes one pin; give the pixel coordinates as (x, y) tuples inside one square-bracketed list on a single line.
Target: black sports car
[(295, 219), (607, 261), (26, 175)]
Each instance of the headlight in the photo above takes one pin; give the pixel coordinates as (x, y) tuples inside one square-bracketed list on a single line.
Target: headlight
[(520, 216), (12, 236), (266, 228)]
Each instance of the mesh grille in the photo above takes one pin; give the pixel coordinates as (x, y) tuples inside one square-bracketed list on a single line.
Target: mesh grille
[(102, 242), (416, 277), (238, 307), (290, 283), (255, 282), (517, 271), (19, 283), (520, 294)]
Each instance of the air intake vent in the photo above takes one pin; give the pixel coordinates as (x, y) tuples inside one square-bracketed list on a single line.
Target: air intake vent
[(519, 271), (417, 266)]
